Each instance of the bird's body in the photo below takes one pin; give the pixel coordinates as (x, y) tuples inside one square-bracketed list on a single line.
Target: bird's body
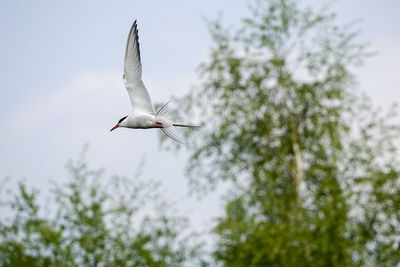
[(143, 115), (145, 121)]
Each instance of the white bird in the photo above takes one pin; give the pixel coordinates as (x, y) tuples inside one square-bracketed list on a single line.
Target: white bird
[(143, 115)]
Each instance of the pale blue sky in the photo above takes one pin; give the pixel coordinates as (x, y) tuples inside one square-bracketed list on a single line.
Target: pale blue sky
[(61, 86)]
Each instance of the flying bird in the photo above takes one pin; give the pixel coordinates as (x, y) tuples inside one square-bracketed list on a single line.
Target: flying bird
[(143, 115)]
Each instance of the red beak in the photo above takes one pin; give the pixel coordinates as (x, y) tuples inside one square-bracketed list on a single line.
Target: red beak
[(115, 127)]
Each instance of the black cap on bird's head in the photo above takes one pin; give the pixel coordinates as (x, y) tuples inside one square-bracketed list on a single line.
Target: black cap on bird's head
[(121, 120)]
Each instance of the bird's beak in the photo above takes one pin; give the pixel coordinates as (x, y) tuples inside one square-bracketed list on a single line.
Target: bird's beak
[(115, 127)]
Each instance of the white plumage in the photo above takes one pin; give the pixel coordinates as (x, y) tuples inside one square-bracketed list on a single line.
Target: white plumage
[(143, 115)]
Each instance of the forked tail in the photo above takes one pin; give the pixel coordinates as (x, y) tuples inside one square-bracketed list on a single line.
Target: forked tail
[(170, 130), (171, 133), (185, 125)]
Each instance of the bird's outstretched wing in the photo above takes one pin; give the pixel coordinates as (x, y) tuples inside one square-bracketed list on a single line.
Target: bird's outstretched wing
[(140, 98)]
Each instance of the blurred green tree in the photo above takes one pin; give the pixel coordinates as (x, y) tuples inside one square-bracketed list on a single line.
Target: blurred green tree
[(92, 223), (314, 169)]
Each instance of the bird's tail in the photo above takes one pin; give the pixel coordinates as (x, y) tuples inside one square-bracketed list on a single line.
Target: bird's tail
[(185, 125), (170, 129)]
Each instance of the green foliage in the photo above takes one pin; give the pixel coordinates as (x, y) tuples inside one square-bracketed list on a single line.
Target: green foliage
[(314, 168), (93, 222)]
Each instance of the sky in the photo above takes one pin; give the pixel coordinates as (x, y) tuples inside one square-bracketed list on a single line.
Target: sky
[(61, 82)]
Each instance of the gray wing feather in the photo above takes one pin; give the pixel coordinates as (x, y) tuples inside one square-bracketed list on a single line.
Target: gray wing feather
[(140, 98)]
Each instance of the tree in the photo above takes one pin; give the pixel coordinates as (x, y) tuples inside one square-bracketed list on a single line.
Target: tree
[(93, 223), (314, 168)]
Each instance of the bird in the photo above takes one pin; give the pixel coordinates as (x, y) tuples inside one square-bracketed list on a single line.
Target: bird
[(143, 115)]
